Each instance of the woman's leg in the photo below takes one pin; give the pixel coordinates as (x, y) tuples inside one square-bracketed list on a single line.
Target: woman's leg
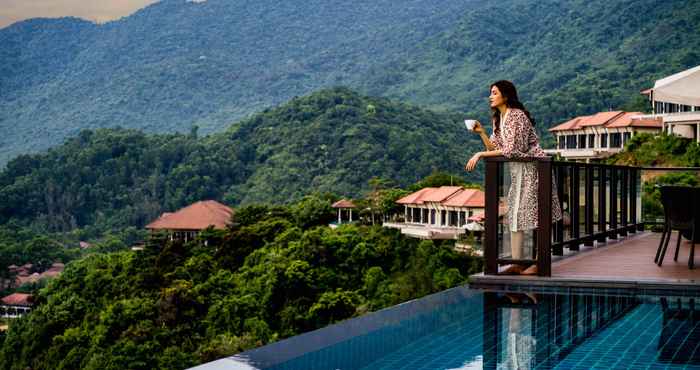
[(516, 244)]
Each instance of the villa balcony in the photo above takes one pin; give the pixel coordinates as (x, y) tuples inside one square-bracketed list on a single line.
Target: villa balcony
[(678, 117), (588, 153), (423, 231)]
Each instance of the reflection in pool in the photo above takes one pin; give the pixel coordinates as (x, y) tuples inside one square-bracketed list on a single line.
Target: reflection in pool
[(466, 329)]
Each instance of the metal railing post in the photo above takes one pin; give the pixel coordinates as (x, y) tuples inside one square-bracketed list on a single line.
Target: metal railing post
[(589, 204), (544, 217), (491, 218), (602, 189), (613, 203)]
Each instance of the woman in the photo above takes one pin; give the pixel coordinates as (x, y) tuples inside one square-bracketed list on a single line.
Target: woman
[(514, 136)]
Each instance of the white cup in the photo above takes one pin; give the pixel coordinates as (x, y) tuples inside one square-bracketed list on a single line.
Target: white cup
[(470, 123)]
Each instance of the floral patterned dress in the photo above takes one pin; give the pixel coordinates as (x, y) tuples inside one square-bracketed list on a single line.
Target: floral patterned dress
[(516, 138)]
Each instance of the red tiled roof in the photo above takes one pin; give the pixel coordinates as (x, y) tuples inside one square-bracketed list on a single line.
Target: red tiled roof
[(600, 118), (440, 194), (343, 203), (18, 299), (455, 196), (571, 124), (626, 120), (197, 216), (414, 198), (430, 195), (607, 119), (467, 198)]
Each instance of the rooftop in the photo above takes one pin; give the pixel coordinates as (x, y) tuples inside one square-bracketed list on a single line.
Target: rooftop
[(611, 119), (197, 216), (451, 196), (343, 203), (18, 299)]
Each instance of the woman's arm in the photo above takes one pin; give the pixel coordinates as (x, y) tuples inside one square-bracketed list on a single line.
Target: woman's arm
[(487, 143), (475, 158), (479, 129)]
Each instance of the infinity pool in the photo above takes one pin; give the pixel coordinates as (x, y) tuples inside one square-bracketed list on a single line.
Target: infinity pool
[(466, 329)]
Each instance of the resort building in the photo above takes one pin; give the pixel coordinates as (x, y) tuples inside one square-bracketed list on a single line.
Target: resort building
[(600, 135), (188, 222), (676, 101), (15, 305), (344, 208), (439, 213)]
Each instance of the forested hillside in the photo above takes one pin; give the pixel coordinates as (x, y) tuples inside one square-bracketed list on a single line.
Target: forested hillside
[(177, 63), (568, 58), (180, 63), (280, 272), (330, 141)]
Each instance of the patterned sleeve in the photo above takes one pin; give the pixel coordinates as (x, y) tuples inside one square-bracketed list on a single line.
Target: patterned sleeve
[(515, 135), (496, 140)]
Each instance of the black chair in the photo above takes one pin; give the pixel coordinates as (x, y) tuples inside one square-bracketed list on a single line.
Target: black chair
[(680, 209)]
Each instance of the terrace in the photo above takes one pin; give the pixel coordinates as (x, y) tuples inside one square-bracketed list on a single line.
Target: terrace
[(601, 243)]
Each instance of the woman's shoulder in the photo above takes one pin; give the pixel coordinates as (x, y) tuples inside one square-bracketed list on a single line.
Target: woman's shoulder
[(517, 112)]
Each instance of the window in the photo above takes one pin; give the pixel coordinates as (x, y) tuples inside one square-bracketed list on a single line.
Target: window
[(453, 218), (570, 141), (432, 217), (626, 136), (416, 215), (591, 140), (615, 140), (582, 141), (562, 142), (462, 218), (604, 140), (443, 217), (658, 107), (424, 220)]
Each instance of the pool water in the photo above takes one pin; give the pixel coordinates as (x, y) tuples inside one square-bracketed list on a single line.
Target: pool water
[(465, 329)]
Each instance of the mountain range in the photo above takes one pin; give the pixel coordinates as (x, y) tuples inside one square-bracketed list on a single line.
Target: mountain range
[(331, 141), (179, 64)]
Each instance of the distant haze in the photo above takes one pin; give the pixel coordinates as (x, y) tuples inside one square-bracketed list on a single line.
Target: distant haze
[(99, 11)]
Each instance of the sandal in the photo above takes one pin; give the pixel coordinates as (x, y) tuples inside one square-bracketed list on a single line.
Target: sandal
[(512, 270), (532, 270)]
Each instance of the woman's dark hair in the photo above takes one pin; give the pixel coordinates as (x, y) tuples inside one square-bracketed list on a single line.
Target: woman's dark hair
[(509, 92)]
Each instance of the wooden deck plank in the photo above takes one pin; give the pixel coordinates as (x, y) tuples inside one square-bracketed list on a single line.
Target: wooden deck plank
[(630, 258), (626, 264)]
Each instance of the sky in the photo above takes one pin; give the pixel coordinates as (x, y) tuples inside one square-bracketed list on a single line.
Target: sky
[(95, 10)]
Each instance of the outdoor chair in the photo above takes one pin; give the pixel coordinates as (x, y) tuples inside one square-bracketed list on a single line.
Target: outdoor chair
[(681, 214)]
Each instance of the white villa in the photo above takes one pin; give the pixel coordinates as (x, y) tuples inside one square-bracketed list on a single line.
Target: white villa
[(439, 213), (16, 305), (676, 101), (600, 135)]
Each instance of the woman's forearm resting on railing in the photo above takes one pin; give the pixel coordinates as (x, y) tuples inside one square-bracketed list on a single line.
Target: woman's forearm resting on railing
[(487, 142)]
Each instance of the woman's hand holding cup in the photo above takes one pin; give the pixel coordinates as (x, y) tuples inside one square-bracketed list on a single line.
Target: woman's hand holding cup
[(473, 125)]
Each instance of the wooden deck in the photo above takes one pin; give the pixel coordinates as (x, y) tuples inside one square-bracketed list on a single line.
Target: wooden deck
[(626, 265)]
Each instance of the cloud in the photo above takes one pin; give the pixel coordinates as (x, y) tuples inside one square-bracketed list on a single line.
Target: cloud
[(95, 10)]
